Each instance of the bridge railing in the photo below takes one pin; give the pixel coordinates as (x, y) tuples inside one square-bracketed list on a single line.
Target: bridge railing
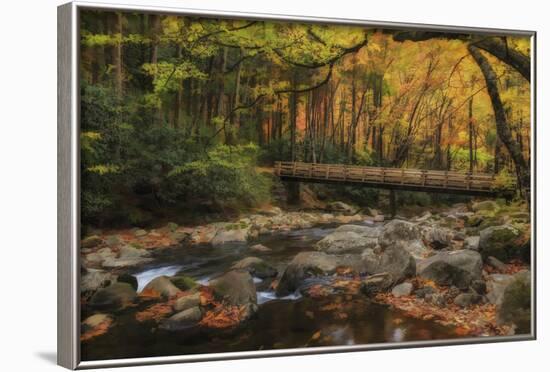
[(390, 176)]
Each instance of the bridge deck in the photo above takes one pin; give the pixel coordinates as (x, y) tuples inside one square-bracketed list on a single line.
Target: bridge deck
[(391, 178)]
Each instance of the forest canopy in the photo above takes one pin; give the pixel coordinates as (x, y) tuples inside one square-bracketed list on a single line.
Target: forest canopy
[(184, 110)]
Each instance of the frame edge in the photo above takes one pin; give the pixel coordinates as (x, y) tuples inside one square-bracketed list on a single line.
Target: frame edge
[(67, 342)]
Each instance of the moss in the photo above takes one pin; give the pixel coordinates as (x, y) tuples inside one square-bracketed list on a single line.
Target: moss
[(502, 242), (474, 221), (490, 221), (516, 304), (183, 282)]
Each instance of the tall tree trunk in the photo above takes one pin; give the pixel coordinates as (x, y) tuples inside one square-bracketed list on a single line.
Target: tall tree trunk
[(471, 133), (117, 56), (503, 129)]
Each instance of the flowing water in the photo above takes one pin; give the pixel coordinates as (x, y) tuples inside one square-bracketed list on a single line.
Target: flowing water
[(288, 322)]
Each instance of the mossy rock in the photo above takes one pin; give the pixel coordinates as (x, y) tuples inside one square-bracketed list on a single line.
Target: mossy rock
[(474, 221), (127, 278), (490, 221), (172, 226), (183, 282), (503, 242), (91, 241), (516, 304), (486, 205)]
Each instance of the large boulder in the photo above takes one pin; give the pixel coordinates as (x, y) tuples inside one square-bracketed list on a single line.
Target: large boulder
[(405, 234), (515, 307), (187, 302), (95, 279), (305, 265), (114, 297), (393, 260), (236, 287), (163, 286), (496, 284), (349, 239), (456, 268), (228, 235), (182, 320), (502, 242), (256, 267), (438, 237)]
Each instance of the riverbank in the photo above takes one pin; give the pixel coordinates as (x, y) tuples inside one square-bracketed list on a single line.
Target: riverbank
[(463, 269)]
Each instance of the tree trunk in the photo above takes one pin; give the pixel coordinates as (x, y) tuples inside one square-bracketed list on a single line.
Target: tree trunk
[(503, 129), (471, 133)]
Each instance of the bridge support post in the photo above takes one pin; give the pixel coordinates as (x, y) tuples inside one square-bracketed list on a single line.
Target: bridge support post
[(292, 193), (393, 204)]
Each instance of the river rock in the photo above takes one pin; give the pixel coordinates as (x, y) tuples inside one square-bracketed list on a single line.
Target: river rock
[(496, 284), (515, 307), (471, 242), (305, 265), (140, 233), (341, 207), (183, 282), (403, 289), (270, 211), (349, 239), (128, 256), (500, 242), (163, 286), (256, 267), (187, 302), (376, 283), (479, 286), (425, 217), (91, 241), (100, 256), (424, 291), (405, 234), (127, 278), (229, 236), (378, 218), (182, 320), (438, 237), (260, 248), (437, 299), (393, 260), (236, 287), (486, 205), (496, 263), (94, 321), (113, 240), (114, 297), (467, 299), (457, 268), (95, 279)]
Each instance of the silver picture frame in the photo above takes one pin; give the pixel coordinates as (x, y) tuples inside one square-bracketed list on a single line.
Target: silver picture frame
[(68, 186)]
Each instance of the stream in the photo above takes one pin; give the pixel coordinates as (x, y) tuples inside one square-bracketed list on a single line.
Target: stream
[(288, 322)]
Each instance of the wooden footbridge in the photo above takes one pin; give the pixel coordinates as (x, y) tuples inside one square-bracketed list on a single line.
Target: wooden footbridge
[(476, 184)]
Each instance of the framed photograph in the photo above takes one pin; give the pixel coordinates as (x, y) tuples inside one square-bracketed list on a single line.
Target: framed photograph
[(235, 185)]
